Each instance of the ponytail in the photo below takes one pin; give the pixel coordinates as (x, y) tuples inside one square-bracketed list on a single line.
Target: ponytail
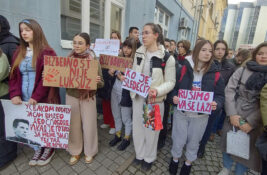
[(156, 28)]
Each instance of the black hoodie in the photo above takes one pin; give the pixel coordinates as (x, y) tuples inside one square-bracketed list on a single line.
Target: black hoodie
[(8, 42), (207, 84)]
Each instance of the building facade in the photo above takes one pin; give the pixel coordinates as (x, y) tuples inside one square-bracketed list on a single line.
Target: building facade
[(61, 19), (244, 24)]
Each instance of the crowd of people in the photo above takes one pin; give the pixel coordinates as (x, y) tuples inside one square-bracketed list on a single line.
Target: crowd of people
[(238, 82)]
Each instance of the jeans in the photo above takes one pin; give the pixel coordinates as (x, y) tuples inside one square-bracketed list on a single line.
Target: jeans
[(228, 163), (219, 120)]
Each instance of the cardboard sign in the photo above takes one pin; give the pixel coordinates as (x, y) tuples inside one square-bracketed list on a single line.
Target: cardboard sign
[(70, 72), (107, 47), (195, 101), (115, 62), (136, 82), (45, 125)]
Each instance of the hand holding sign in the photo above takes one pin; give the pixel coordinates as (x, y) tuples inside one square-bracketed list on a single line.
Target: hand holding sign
[(175, 100), (137, 83)]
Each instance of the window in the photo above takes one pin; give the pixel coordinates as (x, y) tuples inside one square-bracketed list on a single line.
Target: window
[(70, 18), (97, 19), (162, 18), (72, 21), (115, 18)]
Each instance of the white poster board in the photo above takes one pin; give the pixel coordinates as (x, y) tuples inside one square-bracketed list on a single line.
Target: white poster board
[(195, 101), (45, 125), (136, 82), (107, 47)]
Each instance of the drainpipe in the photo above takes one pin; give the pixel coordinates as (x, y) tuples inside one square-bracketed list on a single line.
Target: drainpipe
[(200, 14)]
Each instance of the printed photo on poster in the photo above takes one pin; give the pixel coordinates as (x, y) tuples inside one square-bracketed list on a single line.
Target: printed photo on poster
[(45, 125)]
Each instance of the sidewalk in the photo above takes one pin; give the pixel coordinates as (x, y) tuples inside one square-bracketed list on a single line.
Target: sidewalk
[(110, 161)]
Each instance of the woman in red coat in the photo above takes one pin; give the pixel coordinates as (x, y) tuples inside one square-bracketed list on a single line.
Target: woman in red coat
[(26, 83)]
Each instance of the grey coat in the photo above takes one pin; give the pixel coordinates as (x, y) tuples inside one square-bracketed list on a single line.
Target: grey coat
[(247, 106)]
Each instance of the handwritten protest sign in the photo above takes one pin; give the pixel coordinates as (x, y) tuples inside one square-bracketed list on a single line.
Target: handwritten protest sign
[(115, 62), (195, 101), (70, 72), (136, 82), (107, 47), (45, 125)]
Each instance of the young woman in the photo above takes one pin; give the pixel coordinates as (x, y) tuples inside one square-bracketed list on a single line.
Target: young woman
[(121, 103), (198, 73), (242, 107), (26, 82), (105, 94), (83, 123), (216, 120), (148, 60), (183, 47)]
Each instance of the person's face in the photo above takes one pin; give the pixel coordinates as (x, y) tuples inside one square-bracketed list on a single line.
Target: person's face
[(181, 49), (173, 46), (114, 36), (135, 34), (238, 59), (230, 54), (79, 44), (219, 51), (26, 33), (127, 51), (205, 53), (261, 56), (22, 130), (149, 38), (167, 45)]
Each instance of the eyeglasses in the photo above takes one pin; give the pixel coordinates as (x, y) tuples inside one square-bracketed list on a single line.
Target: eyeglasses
[(180, 46), (78, 43), (146, 33)]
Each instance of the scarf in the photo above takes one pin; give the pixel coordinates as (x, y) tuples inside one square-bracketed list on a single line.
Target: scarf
[(88, 53), (259, 77)]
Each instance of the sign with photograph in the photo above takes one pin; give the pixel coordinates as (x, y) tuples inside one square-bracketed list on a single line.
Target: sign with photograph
[(45, 125)]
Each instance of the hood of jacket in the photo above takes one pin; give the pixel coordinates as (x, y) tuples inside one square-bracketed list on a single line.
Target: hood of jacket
[(159, 53)]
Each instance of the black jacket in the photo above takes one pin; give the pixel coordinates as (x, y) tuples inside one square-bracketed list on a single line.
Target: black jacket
[(105, 92), (207, 84), (226, 69), (8, 45)]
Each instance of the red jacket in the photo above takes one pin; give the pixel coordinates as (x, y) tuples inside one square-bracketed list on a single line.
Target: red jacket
[(41, 94)]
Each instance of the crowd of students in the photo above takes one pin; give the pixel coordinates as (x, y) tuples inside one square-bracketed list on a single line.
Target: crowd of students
[(235, 81)]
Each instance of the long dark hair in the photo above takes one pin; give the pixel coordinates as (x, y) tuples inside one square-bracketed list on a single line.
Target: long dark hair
[(226, 47), (195, 55), (130, 42), (39, 43)]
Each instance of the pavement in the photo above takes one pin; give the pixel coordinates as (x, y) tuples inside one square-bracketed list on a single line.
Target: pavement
[(110, 161)]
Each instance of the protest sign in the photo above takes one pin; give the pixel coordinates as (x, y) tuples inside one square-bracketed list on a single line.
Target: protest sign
[(136, 82), (115, 62), (107, 47), (70, 72), (195, 101), (45, 125)]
